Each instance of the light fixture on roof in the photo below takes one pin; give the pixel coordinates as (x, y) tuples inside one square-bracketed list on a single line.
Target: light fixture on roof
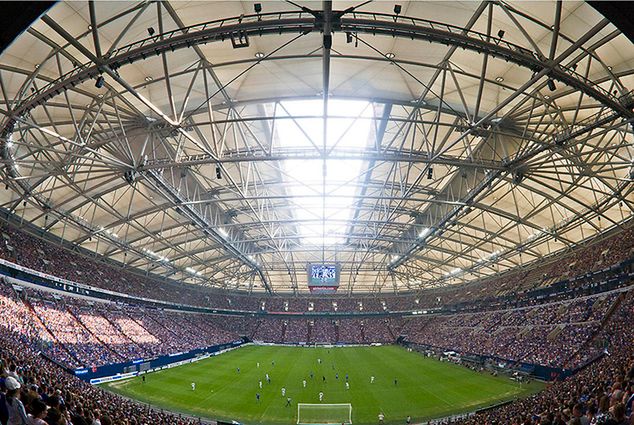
[(257, 7), (239, 39), (150, 31), (259, 55), (499, 79), (148, 78), (218, 172), (348, 37), (518, 176), (100, 82), (193, 271), (551, 84), (501, 34), (390, 55), (546, 97), (430, 173), (397, 9)]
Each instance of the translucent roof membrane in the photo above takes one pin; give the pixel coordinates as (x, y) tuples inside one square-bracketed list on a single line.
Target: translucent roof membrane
[(323, 190), (443, 170)]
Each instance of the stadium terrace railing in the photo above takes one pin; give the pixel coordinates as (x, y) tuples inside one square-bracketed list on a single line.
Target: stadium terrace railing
[(118, 371), (298, 22), (612, 277), (598, 281)]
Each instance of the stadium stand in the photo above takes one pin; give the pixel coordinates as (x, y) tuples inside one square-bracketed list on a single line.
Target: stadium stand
[(69, 400), (547, 335), (65, 329), (509, 288), (601, 393), (181, 179), (76, 332)]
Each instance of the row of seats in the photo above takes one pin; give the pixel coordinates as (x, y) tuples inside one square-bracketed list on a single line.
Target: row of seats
[(603, 389), (601, 394), (23, 248), (549, 335), (80, 333), (51, 396)]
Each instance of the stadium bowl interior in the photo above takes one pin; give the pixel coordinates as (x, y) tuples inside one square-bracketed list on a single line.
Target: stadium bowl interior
[(182, 179)]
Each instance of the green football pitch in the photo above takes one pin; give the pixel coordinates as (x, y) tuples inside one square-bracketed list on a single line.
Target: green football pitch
[(425, 388)]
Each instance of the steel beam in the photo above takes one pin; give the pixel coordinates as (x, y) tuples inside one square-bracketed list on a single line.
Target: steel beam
[(296, 22)]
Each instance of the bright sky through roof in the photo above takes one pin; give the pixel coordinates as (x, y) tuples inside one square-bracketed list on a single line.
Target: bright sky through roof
[(348, 129)]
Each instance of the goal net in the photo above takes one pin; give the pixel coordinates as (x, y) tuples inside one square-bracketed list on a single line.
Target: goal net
[(308, 413)]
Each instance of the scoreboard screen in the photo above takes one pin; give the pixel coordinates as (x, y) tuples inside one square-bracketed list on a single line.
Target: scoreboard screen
[(323, 275)]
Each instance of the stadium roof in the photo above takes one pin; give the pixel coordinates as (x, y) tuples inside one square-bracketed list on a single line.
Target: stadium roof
[(416, 144)]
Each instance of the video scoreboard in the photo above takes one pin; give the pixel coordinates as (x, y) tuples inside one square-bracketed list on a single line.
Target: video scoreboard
[(323, 278)]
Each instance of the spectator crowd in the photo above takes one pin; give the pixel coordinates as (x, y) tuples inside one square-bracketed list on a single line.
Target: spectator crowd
[(37, 326), (84, 333), (78, 333), (600, 394), (36, 391), (21, 247), (549, 335)]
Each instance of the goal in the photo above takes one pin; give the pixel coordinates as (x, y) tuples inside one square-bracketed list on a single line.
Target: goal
[(322, 414)]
